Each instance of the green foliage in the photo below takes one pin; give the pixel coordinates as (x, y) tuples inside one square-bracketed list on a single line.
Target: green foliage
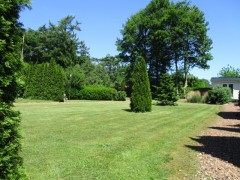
[(45, 81), (229, 71), (141, 97), (10, 161), (220, 95), (167, 35), (95, 74), (114, 69), (74, 81), (97, 93), (196, 83), (166, 92), (10, 65), (119, 96), (58, 41)]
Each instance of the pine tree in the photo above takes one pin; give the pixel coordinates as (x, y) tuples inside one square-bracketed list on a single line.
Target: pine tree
[(141, 98), (166, 92), (10, 65)]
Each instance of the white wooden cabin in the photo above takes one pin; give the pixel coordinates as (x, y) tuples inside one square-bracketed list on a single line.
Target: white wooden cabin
[(232, 82)]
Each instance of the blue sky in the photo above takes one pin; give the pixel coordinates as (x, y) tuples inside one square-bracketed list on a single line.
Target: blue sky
[(101, 22)]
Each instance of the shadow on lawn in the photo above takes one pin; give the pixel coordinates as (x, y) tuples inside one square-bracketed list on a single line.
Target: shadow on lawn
[(225, 148), (127, 110)]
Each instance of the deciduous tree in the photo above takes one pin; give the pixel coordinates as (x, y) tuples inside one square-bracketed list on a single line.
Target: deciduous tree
[(169, 36), (229, 71)]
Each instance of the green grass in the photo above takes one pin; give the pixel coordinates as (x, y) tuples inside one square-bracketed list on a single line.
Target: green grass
[(23, 100), (103, 140)]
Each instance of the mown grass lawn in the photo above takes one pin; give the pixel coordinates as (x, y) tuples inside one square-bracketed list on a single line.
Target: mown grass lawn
[(103, 140)]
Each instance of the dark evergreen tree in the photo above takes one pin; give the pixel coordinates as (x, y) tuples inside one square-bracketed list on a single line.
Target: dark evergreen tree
[(45, 81), (141, 98), (58, 41), (10, 65), (166, 92)]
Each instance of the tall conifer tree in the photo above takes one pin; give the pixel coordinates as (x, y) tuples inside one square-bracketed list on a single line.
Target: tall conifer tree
[(10, 64), (141, 98), (166, 92)]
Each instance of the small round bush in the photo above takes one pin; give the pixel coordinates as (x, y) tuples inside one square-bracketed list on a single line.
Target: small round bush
[(220, 95)]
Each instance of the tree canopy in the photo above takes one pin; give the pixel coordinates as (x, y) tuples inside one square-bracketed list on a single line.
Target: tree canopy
[(56, 41), (169, 36), (229, 71)]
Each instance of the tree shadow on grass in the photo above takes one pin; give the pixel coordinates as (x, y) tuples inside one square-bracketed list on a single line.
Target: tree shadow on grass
[(230, 115), (127, 110), (224, 148)]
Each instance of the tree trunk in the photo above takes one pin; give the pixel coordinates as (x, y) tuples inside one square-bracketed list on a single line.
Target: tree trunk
[(176, 76), (185, 77)]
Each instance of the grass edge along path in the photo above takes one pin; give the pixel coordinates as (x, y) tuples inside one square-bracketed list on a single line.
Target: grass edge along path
[(103, 140)]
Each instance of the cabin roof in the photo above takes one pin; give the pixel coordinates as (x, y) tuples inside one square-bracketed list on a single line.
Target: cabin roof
[(225, 79)]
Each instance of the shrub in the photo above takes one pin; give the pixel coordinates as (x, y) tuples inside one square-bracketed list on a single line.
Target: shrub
[(197, 97), (166, 92), (97, 93), (141, 97), (120, 96), (194, 97), (220, 95), (74, 81)]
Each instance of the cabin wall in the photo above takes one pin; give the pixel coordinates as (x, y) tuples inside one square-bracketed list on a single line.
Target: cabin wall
[(236, 87)]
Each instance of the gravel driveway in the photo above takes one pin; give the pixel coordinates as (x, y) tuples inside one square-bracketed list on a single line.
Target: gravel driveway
[(219, 150)]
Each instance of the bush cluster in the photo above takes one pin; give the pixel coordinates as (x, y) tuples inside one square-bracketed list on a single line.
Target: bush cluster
[(220, 95), (101, 93), (45, 81)]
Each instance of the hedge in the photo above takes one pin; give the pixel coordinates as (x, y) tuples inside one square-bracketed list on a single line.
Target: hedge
[(101, 93), (45, 81)]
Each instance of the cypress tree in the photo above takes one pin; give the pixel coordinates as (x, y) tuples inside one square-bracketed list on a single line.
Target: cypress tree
[(166, 92), (141, 98), (45, 81), (10, 65)]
